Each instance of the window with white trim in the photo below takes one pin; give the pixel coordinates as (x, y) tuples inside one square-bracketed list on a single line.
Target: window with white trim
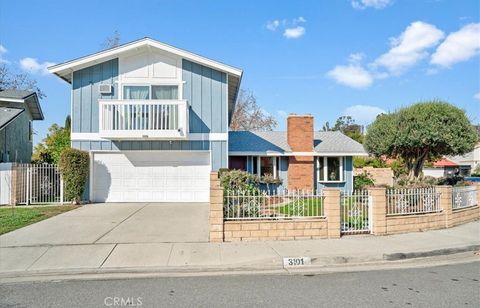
[(263, 165), (330, 169), (142, 92)]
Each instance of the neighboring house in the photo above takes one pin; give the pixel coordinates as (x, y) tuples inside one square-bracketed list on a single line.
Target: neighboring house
[(443, 168), (300, 157), (18, 109), (154, 118), (469, 161)]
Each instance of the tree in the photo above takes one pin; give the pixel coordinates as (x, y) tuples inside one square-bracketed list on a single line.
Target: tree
[(18, 81), (346, 125), (249, 116), (111, 41), (57, 140), (420, 132)]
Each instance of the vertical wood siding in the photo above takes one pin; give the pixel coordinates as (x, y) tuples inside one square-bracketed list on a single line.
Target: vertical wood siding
[(205, 90), (85, 94)]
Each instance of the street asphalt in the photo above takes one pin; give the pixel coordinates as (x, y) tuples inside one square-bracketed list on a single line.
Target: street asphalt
[(440, 286)]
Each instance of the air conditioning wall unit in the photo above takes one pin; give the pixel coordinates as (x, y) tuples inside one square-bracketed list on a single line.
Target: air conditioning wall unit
[(105, 88)]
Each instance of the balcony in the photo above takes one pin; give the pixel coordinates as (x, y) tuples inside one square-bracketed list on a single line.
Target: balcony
[(143, 119)]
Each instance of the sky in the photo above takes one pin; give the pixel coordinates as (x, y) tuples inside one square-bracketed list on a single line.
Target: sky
[(326, 58)]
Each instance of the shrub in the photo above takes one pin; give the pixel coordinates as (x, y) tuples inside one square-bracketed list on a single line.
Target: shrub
[(452, 181), (404, 181), (73, 165), (476, 171), (360, 162), (239, 180), (363, 180)]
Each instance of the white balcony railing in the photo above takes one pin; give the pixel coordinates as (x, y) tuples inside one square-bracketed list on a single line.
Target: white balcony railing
[(141, 119)]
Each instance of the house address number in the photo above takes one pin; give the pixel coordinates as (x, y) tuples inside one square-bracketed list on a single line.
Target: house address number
[(296, 261)]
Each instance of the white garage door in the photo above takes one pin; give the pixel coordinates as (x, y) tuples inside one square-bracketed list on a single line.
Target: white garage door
[(151, 177)]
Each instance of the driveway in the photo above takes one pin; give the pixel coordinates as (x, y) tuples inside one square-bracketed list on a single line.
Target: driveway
[(113, 223)]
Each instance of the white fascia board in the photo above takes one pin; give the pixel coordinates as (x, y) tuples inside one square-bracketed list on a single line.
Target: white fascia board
[(240, 153), (63, 68)]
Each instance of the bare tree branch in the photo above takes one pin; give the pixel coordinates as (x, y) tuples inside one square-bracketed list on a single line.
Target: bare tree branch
[(249, 116), (18, 81)]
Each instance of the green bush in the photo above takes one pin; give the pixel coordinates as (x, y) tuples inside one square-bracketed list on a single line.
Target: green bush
[(363, 180), (360, 162), (476, 171), (73, 166), (239, 180)]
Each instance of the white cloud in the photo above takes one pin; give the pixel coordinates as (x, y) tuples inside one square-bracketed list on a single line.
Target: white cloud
[(273, 25), (376, 4), (458, 46), (291, 28), (294, 33), (352, 75), (298, 20), (356, 57), (477, 96), (409, 48), (3, 51), (33, 66), (363, 114)]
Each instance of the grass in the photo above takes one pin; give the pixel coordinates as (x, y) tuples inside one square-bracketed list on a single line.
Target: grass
[(303, 207), (12, 218)]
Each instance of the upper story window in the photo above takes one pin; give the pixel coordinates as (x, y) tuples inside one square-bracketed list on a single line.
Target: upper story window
[(330, 169), (142, 92)]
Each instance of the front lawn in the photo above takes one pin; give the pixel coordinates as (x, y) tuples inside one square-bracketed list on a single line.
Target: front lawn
[(12, 218), (303, 207)]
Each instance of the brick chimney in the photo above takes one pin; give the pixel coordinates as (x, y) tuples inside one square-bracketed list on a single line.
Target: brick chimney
[(300, 138)]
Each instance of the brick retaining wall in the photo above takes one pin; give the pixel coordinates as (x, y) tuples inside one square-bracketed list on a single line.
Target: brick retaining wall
[(275, 230), (462, 216), (415, 223)]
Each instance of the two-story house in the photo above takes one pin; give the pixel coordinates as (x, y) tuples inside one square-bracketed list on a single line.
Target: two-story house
[(154, 118), (18, 108)]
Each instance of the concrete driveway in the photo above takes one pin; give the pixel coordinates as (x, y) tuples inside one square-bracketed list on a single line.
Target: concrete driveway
[(113, 223)]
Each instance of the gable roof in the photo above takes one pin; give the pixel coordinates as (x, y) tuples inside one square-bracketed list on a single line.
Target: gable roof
[(63, 70), (275, 143), (7, 115), (29, 98)]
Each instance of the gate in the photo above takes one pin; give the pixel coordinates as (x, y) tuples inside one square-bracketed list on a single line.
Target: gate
[(37, 184), (355, 212)]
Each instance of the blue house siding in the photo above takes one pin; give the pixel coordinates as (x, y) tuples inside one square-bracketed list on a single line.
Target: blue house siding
[(85, 94), (205, 90)]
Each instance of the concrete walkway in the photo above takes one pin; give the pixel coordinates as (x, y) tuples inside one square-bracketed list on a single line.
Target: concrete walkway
[(98, 257)]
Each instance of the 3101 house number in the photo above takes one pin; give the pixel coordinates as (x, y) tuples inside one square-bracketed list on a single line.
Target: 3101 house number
[(297, 261)]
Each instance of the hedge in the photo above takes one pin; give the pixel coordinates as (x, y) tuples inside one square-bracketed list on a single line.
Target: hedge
[(73, 165)]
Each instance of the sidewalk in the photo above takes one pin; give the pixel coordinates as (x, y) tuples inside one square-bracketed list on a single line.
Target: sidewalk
[(171, 257)]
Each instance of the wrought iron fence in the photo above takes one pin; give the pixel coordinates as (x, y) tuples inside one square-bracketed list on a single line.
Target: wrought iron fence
[(355, 212), (281, 204), (413, 201), (38, 184), (463, 197)]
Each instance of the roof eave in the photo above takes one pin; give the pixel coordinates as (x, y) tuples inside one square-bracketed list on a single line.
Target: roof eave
[(62, 69)]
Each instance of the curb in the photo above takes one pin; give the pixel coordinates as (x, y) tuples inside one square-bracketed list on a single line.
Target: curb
[(431, 253), (340, 265)]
